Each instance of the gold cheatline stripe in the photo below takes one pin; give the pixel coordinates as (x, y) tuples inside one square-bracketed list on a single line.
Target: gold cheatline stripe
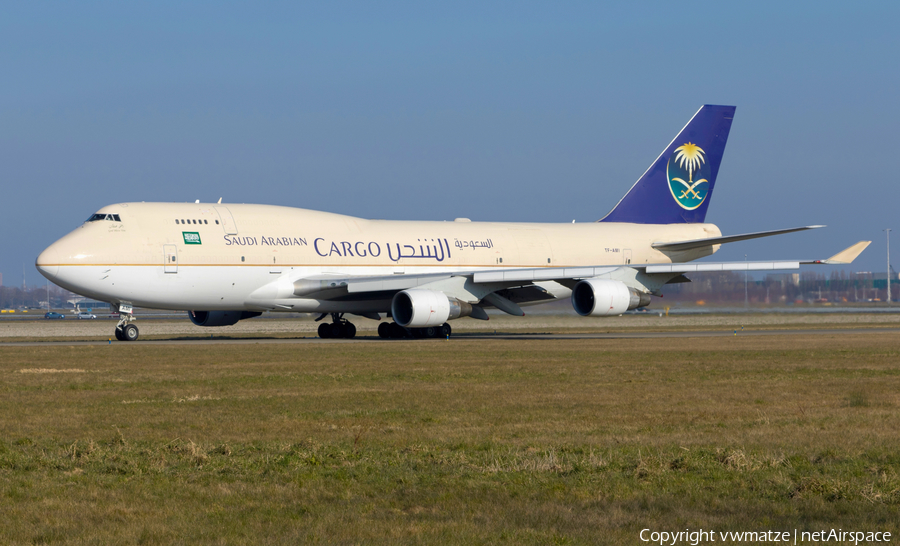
[(323, 265)]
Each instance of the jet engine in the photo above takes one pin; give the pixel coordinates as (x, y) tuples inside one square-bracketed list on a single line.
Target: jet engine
[(220, 318), (420, 308), (604, 297)]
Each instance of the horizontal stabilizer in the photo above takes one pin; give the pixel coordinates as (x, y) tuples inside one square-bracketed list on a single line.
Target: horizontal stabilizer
[(845, 256), (700, 243)]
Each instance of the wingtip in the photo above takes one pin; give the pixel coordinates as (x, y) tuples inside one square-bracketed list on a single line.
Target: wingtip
[(849, 254)]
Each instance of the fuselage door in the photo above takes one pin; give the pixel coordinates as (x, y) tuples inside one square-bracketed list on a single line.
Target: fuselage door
[(227, 221), (171, 256)]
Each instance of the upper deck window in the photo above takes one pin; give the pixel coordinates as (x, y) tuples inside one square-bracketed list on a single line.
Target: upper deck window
[(110, 217)]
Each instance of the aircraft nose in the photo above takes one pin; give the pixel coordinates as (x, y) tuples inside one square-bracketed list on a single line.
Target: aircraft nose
[(48, 263)]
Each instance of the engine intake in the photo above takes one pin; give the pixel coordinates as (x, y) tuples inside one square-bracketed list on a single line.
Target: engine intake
[(419, 308), (220, 318), (604, 298)]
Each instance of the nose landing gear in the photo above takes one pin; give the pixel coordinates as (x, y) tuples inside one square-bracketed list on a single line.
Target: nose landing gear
[(126, 330)]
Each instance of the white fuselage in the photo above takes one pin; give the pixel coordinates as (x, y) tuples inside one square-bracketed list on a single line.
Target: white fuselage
[(247, 257)]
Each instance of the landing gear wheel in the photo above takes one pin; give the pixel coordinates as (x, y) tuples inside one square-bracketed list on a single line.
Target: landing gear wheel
[(445, 330), (130, 332), (119, 335), (339, 330), (384, 330), (349, 330), (397, 331), (325, 330), (431, 331)]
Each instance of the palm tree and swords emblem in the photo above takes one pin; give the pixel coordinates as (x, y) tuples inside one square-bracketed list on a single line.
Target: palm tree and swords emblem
[(687, 159)]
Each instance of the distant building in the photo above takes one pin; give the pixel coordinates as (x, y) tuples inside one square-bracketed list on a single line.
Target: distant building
[(80, 303), (878, 279), (895, 277), (784, 279)]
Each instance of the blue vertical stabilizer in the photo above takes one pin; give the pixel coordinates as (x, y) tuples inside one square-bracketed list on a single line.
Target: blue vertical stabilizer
[(677, 187)]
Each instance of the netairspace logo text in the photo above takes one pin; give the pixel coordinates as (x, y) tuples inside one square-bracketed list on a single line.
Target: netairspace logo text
[(673, 538)]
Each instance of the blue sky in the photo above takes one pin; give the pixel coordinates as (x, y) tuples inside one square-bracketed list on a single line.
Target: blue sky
[(506, 111)]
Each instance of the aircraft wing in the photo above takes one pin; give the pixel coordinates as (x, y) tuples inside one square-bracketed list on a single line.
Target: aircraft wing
[(506, 288), (845, 256), (507, 276)]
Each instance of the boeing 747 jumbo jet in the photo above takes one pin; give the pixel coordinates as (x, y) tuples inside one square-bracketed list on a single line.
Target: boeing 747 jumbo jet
[(224, 263)]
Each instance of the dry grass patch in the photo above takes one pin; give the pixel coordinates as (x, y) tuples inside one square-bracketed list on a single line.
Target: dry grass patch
[(462, 441)]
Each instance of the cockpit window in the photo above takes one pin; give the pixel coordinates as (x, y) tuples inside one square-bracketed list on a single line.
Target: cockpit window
[(110, 217)]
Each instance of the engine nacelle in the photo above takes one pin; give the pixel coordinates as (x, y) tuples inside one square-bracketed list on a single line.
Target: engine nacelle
[(603, 298), (220, 318), (420, 308)]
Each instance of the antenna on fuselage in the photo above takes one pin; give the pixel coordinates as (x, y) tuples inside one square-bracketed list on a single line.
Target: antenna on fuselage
[(219, 201)]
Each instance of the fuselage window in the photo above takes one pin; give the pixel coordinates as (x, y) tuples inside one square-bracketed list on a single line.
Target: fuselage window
[(217, 222), (182, 220), (195, 221), (116, 218), (242, 258), (205, 222)]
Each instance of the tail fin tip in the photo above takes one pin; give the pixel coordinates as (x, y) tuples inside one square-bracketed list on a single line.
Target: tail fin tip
[(679, 183)]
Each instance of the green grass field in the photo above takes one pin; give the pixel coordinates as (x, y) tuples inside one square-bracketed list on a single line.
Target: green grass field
[(460, 441)]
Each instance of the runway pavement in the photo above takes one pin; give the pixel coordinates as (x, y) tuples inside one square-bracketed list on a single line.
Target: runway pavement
[(512, 336)]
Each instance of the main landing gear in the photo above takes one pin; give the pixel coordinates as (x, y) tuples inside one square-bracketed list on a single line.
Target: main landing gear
[(392, 330), (126, 330), (340, 328)]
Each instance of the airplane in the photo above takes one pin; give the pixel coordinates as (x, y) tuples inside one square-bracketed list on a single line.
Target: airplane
[(228, 262)]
